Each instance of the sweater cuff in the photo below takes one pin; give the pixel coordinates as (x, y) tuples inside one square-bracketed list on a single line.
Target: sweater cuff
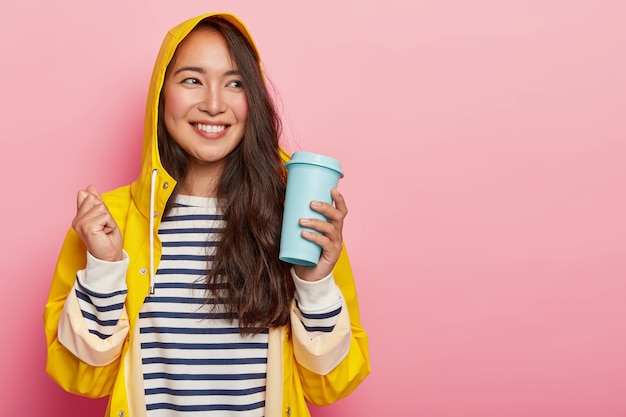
[(103, 276), (322, 295)]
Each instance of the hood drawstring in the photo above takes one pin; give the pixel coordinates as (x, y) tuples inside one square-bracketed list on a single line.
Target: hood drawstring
[(152, 231)]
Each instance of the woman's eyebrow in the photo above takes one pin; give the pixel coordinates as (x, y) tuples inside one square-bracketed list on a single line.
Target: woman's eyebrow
[(194, 69), (203, 71)]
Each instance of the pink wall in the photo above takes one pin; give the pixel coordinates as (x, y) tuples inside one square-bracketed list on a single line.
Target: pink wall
[(483, 143)]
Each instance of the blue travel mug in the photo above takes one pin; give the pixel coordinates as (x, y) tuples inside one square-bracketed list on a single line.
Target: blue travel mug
[(310, 176)]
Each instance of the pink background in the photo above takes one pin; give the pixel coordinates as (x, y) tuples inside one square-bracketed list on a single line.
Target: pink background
[(484, 145)]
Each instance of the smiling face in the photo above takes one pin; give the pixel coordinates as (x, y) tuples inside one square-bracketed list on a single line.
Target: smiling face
[(205, 107)]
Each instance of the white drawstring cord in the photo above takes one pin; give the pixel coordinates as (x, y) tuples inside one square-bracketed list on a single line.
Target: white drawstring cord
[(152, 192)]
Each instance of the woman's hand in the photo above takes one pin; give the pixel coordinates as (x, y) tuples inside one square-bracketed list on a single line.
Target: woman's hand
[(331, 240), (96, 227)]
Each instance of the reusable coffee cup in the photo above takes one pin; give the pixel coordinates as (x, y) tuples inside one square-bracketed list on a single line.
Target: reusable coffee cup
[(310, 176)]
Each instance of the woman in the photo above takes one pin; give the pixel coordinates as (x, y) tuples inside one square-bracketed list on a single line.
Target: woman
[(168, 295)]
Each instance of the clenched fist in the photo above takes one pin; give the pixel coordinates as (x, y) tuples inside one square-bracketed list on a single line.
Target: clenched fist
[(96, 227)]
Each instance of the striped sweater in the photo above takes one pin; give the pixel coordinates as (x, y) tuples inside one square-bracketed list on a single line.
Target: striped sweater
[(195, 362)]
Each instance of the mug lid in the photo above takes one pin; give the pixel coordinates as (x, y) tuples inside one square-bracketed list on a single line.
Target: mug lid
[(312, 158)]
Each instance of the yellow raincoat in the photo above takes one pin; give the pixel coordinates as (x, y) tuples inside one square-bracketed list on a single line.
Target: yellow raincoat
[(299, 369)]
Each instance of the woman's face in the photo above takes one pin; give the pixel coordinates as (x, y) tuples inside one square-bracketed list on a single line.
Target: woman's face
[(205, 106)]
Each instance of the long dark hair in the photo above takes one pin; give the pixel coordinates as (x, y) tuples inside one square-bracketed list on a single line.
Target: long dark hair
[(246, 274)]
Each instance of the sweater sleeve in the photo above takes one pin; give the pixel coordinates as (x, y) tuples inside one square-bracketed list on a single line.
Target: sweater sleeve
[(320, 324), (93, 324), (318, 304)]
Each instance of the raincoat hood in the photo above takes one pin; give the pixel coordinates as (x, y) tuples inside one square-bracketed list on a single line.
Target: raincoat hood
[(151, 160)]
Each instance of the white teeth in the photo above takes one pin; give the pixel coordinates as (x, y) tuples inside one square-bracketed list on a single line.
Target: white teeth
[(210, 128)]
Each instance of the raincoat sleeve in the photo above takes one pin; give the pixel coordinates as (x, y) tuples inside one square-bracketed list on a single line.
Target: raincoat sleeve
[(65, 368), (332, 365)]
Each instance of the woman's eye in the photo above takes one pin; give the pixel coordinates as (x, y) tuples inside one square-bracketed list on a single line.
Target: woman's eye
[(235, 84), (191, 81)]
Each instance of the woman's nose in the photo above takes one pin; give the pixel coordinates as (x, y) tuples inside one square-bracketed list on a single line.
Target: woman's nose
[(213, 102)]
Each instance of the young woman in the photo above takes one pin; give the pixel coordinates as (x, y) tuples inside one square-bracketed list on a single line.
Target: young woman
[(168, 295)]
